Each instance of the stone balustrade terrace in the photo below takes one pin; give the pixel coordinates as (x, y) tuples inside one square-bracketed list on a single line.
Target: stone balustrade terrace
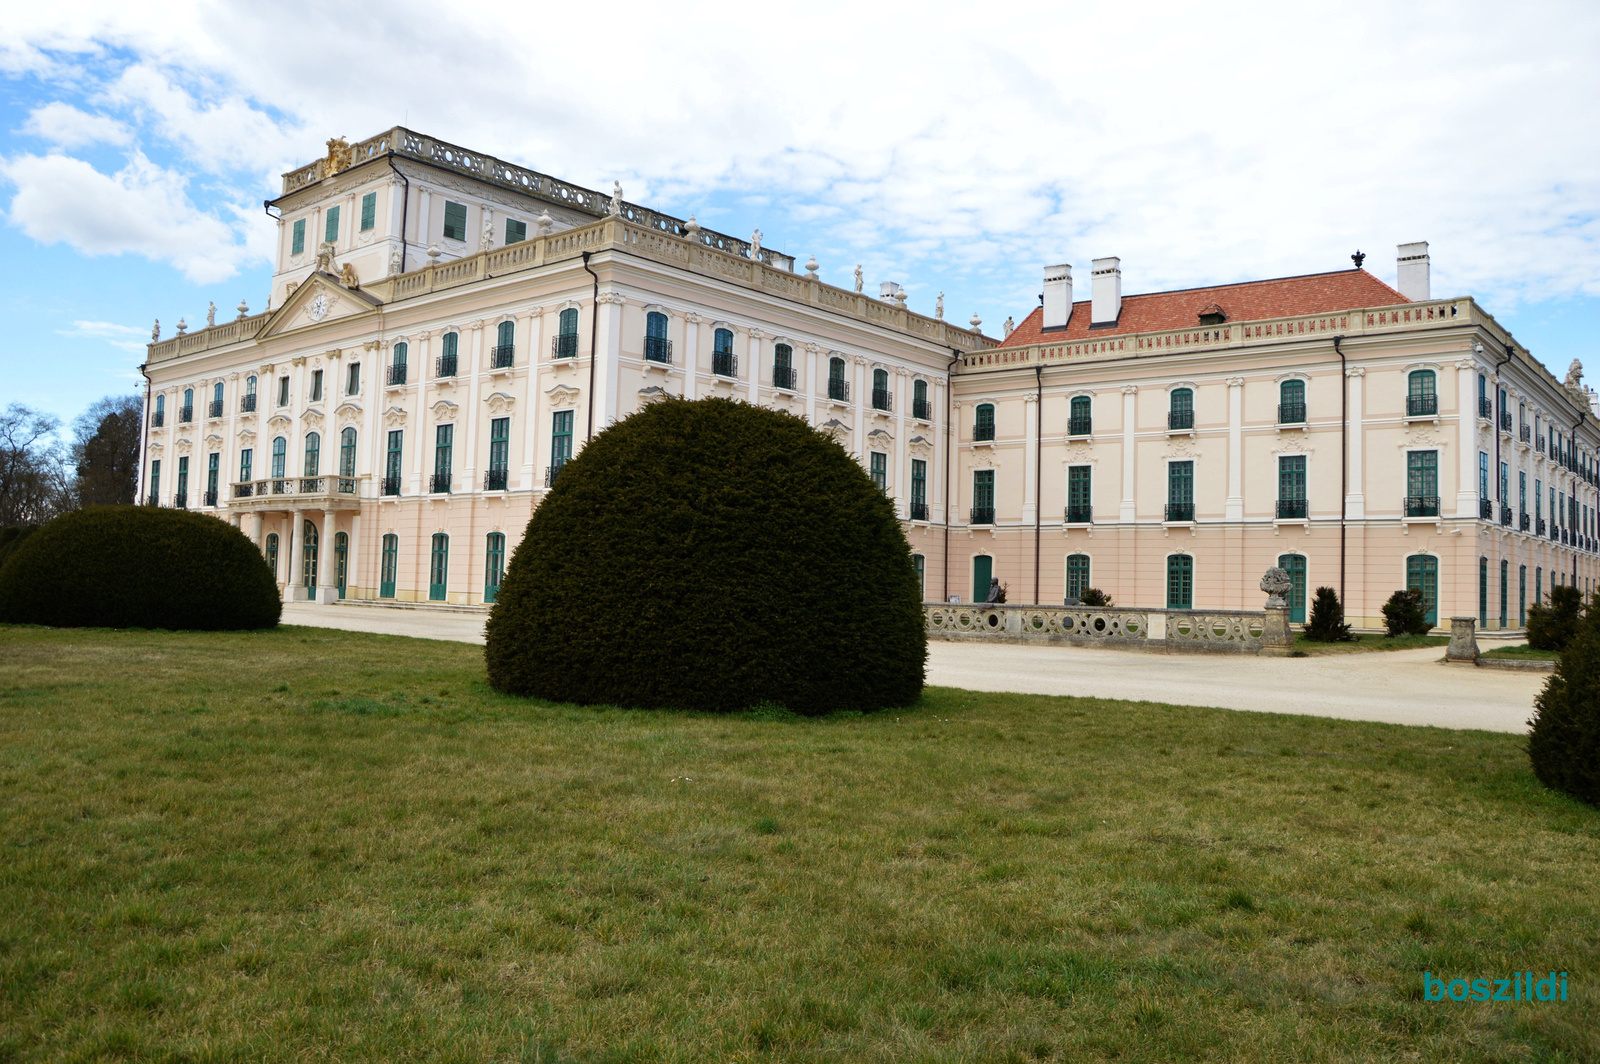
[(1206, 631)]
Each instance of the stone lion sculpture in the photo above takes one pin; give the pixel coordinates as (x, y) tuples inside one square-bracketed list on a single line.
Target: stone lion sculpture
[(1276, 583)]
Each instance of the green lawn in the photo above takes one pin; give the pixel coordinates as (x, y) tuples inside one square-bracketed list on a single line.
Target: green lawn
[(1370, 642), (1522, 652), (312, 845)]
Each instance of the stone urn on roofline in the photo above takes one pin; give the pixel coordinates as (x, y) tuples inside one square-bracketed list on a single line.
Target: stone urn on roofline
[(1277, 638)]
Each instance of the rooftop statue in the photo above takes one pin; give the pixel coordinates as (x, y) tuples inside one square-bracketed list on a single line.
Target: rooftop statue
[(1575, 374), (858, 277)]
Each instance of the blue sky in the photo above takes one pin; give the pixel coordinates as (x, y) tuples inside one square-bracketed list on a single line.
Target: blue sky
[(944, 148)]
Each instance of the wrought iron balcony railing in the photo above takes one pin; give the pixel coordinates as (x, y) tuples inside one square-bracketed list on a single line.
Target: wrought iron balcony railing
[(922, 409), (552, 472), (1505, 516), (312, 485), (839, 389), (186, 414), (982, 515), (1422, 405), (1525, 433), (216, 408), (1180, 419), (564, 345), (1505, 422), (1291, 508), (1081, 425), (397, 373), (783, 377), (153, 500), (445, 366), (1485, 510), (247, 403), (1538, 445), (181, 500), (1524, 522), (1538, 527), (724, 364), (501, 357), (439, 484), (919, 510), (1422, 506), (1291, 413), (1079, 514), (983, 430), (211, 497), (1180, 511), (391, 485), (243, 490), (880, 399), (1485, 408), (658, 349), (158, 419), (495, 479)]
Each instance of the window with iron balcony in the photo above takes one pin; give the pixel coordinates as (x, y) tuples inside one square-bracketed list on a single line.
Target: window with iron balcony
[(723, 362), (1180, 415), (1486, 408), (158, 418), (446, 364), (505, 349), (1422, 506), (216, 408), (1505, 422), (983, 422), (1524, 522), (1292, 402), (1486, 509), (921, 409), (880, 389), (1080, 418)]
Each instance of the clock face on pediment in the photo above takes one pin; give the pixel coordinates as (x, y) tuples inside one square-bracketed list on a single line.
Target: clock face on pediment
[(319, 306)]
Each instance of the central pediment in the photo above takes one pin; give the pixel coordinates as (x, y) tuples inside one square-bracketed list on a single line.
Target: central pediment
[(319, 300)]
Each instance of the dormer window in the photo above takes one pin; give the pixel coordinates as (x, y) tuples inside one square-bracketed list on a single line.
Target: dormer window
[(1212, 314)]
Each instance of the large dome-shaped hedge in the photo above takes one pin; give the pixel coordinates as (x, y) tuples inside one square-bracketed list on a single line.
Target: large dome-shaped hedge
[(138, 567), (711, 555)]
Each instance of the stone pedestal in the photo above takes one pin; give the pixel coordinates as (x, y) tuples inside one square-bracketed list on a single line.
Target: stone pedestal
[(1463, 649), (1277, 638)]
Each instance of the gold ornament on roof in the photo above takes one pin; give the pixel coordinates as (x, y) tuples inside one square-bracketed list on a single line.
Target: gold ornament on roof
[(338, 156)]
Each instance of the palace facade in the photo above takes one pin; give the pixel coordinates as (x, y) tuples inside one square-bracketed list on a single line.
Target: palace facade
[(450, 329)]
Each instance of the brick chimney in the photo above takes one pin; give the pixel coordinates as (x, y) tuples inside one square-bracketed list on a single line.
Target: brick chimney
[(1057, 296), (1107, 298), (1413, 263)]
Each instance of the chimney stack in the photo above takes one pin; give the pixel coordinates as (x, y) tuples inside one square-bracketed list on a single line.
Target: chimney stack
[(1413, 263), (1107, 279), (1057, 296)]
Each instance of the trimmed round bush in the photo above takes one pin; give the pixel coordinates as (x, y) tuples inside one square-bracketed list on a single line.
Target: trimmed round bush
[(711, 555), (138, 567), (1564, 735)]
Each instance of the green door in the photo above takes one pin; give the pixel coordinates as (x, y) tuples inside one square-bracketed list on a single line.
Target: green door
[(439, 569), (391, 562), (982, 573), (1180, 582), (1422, 572), (1295, 566), (341, 557), (308, 556), (494, 566)]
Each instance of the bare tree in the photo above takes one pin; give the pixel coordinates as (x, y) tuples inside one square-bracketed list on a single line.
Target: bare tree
[(105, 452), (33, 479)]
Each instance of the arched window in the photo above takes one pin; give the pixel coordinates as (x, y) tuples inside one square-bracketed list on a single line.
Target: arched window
[(1295, 566), (347, 454), (1180, 412), (494, 565), (250, 385), (187, 412), (1483, 593), (397, 363), (983, 422), (439, 567), (1077, 577), (783, 367), (1422, 400), (341, 560), (657, 348), (247, 402), (504, 354), (313, 454), (308, 556), (391, 564), (920, 407), (838, 387), (159, 418), (1292, 402), (280, 449), (565, 342), (1080, 416), (722, 361), (216, 400), (1422, 573), (1180, 582), (880, 389), (506, 334), (272, 553), (449, 345)]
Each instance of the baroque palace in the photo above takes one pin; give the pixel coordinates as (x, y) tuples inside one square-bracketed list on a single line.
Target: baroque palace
[(450, 329)]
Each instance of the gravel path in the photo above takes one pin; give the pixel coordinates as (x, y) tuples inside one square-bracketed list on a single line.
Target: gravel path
[(1395, 687)]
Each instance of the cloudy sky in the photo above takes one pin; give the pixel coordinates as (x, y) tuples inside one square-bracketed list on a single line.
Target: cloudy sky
[(951, 148)]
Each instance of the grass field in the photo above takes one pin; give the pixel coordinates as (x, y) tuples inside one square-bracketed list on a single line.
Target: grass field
[(1523, 652), (314, 845), (1370, 642)]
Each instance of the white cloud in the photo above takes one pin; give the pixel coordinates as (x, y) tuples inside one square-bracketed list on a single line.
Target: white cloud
[(118, 336), (225, 134), (141, 209), (67, 127)]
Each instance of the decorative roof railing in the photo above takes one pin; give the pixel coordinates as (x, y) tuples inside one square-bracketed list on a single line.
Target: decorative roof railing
[(608, 232), (403, 142)]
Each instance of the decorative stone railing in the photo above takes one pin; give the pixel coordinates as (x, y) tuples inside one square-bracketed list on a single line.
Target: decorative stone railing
[(229, 332), (1226, 631)]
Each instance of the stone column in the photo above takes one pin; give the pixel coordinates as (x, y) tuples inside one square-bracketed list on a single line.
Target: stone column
[(691, 355), (419, 469), (1234, 509), (1129, 451), (530, 402), (294, 589), (1277, 637), (1355, 500), (1467, 438), (1030, 418), (255, 529), (476, 362), (608, 348), (753, 356), (861, 396), (350, 580), (327, 561), (1463, 648), (812, 351)]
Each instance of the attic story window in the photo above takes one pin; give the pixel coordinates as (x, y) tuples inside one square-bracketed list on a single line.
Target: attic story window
[(1212, 314)]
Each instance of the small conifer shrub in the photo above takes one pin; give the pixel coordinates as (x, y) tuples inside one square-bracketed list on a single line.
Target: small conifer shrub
[(1564, 735), (1327, 618), (1404, 613), (1093, 596), (1551, 626), (138, 567), (711, 555)]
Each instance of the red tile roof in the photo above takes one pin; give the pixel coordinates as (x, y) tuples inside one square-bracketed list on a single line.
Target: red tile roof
[(1282, 297)]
